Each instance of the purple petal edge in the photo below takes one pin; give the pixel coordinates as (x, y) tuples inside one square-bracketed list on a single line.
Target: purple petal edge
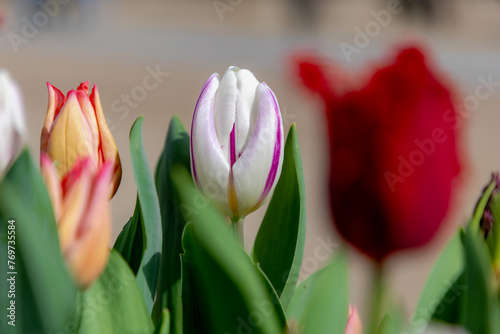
[(193, 164), (232, 146), (277, 150)]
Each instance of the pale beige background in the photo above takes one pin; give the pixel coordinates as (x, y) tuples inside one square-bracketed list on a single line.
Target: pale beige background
[(113, 42)]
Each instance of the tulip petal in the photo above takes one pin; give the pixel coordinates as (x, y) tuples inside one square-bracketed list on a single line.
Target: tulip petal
[(386, 164), (76, 188), (88, 254), (91, 123), (108, 145), (246, 109), (53, 183), (255, 172), (12, 123), (354, 325), (56, 101), (212, 173), (88, 259), (70, 137), (224, 109), (88, 111), (98, 198), (84, 87), (232, 200)]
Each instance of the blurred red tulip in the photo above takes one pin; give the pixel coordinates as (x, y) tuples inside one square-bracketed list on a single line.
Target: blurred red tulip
[(393, 153)]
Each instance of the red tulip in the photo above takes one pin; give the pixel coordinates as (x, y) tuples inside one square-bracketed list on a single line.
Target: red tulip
[(393, 153)]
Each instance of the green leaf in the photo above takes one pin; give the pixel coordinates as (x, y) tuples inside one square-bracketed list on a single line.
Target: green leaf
[(279, 245), (195, 320), (480, 307), (278, 307), (222, 290), (449, 308), (114, 302), (44, 291), (129, 243), (391, 324), (163, 325), (446, 271), (150, 219), (175, 151), (444, 294), (319, 304)]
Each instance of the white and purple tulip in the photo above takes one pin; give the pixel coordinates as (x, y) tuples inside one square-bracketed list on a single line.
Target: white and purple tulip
[(12, 120), (236, 142)]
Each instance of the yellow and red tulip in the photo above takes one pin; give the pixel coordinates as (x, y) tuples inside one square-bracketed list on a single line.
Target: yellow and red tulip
[(75, 128), (81, 207)]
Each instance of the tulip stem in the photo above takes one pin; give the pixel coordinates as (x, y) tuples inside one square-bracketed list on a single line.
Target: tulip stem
[(377, 298), (237, 228)]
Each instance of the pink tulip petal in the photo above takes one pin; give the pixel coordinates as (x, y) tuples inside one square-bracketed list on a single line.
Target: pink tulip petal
[(108, 147), (56, 101), (91, 123), (84, 87), (88, 253), (98, 198), (53, 183), (354, 325), (88, 258), (76, 187)]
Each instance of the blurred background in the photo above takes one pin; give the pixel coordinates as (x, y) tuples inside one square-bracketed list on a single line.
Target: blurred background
[(118, 44)]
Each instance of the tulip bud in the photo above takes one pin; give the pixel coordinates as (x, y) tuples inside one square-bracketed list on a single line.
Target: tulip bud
[(236, 142), (354, 325), (80, 203), (488, 223), (75, 128), (12, 121)]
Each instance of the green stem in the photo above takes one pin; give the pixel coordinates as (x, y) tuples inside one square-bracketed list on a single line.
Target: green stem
[(377, 294), (237, 228)]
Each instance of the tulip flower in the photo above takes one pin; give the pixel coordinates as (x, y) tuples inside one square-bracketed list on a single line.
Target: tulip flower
[(75, 128), (354, 325), (236, 142), (12, 120), (81, 208), (393, 153)]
